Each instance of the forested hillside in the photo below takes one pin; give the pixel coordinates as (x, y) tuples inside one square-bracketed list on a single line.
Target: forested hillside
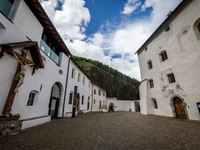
[(117, 84)]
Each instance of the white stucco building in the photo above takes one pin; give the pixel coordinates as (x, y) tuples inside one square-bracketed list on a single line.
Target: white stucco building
[(169, 65), (48, 88), (98, 98)]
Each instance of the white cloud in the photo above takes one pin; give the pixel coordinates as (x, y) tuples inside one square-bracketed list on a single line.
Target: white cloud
[(131, 6), (71, 20), (124, 39)]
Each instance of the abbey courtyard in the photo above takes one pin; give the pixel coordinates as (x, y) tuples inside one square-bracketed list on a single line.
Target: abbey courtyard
[(49, 102)]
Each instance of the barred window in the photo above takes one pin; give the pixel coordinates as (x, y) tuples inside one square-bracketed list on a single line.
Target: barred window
[(31, 99), (163, 55), (151, 83), (171, 78)]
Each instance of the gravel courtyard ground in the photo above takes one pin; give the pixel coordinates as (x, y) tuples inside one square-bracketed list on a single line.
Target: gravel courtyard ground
[(117, 130)]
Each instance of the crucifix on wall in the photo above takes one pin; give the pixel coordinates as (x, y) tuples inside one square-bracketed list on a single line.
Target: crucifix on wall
[(22, 67)]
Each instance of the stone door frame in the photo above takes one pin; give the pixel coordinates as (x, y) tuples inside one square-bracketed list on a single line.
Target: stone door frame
[(173, 107)]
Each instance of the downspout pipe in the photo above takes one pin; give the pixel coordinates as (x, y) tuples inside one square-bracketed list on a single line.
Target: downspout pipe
[(92, 98), (66, 86)]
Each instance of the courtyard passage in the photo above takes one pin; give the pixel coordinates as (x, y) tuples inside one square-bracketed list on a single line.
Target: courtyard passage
[(116, 130)]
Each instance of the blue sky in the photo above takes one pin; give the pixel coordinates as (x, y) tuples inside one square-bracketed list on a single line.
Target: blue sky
[(109, 31)]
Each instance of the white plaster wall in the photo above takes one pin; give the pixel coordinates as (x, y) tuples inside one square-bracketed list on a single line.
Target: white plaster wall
[(183, 50), (34, 122), (81, 89), (24, 24), (98, 98), (122, 105)]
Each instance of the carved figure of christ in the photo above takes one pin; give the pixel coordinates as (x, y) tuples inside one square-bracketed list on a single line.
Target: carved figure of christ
[(21, 74), (15, 85)]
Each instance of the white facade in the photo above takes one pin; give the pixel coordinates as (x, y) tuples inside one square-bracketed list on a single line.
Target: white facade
[(52, 84), (182, 46), (98, 98), (78, 78), (24, 24), (122, 105)]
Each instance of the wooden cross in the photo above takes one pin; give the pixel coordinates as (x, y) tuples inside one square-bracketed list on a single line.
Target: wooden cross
[(11, 95)]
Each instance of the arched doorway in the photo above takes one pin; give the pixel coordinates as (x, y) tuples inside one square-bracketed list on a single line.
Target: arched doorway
[(54, 102), (179, 108), (111, 107), (77, 102)]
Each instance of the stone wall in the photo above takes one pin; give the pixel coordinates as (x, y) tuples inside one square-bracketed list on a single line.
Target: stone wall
[(10, 127)]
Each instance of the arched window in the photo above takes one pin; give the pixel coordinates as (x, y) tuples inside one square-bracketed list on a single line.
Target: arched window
[(32, 97), (73, 72), (163, 55), (83, 80), (70, 97), (94, 91), (82, 99), (79, 77), (151, 83)]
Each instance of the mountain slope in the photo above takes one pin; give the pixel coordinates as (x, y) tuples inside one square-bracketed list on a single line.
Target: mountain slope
[(118, 85)]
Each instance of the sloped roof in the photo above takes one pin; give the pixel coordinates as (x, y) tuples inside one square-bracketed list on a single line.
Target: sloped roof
[(165, 24), (33, 47), (42, 17)]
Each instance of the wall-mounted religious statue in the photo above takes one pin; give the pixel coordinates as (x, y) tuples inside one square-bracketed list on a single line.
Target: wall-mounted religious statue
[(20, 75), (18, 79)]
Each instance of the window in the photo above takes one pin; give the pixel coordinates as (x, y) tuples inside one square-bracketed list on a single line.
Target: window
[(151, 83), (171, 78), (103, 93), (100, 105), (163, 55), (70, 97), (7, 8), (83, 80), (73, 71), (79, 77), (48, 47), (94, 91), (155, 103), (31, 99), (149, 63), (94, 101), (82, 99), (99, 92)]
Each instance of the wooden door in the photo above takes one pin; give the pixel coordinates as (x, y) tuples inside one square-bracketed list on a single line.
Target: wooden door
[(180, 110), (77, 103)]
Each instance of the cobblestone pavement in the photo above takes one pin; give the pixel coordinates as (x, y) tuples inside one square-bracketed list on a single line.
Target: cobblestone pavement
[(118, 130)]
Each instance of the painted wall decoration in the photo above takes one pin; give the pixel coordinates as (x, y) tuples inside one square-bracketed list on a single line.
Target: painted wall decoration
[(168, 89)]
